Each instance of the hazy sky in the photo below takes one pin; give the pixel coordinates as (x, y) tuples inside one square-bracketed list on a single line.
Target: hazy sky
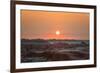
[(44, 24)]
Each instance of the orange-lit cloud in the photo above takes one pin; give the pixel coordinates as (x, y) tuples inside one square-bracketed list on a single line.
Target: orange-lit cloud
[(44, 24)]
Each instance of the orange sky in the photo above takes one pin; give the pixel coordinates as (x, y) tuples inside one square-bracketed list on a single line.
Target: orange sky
[(44, 24)]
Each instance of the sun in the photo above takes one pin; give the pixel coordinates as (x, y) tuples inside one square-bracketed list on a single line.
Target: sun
[(57, 32)]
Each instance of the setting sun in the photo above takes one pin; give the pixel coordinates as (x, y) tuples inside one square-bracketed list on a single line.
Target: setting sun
[(57, 32), (54, 25)]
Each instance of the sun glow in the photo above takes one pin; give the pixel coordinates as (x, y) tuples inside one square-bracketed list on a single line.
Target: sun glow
[(57, 32)]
